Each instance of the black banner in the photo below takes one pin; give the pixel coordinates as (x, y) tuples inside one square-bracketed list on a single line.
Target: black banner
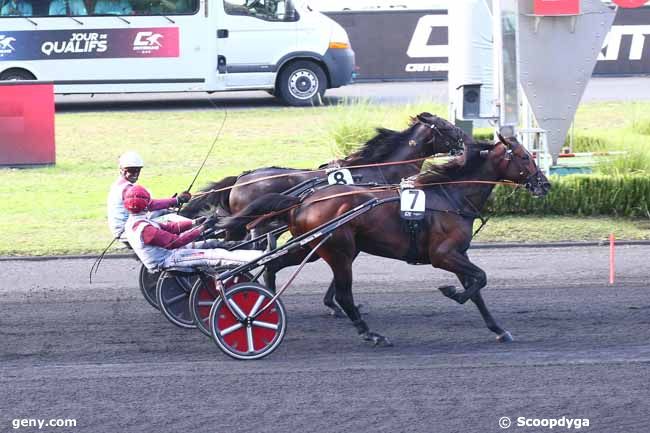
[(626, 51), (413, 45), (405, 45)]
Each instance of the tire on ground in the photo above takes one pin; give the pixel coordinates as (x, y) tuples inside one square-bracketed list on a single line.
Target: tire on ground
[(16, 74), (302, 83)]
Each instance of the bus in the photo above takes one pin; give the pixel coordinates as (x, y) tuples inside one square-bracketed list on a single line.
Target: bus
[(130, 46)]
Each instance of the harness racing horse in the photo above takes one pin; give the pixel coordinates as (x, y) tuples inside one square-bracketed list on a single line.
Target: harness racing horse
[(455, 194), (426, 135)]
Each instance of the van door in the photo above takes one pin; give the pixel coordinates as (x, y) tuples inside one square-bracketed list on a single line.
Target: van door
[(252, 36)]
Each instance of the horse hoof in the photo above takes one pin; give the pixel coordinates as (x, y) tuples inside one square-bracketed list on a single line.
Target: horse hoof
[(383, 342), (337, 313), (376, 339), (506, 337)]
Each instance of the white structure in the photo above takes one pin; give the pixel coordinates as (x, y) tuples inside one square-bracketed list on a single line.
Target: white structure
[(558, 56), (211, 45), (551, 58), (470, 59)]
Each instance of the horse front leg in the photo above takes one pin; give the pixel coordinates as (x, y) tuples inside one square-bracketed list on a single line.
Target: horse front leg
[(471, 276), (473, 280), (503, 336)]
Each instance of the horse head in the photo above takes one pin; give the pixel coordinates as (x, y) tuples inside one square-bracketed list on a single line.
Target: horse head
[(514, 163), (426, 135), (446, 137)]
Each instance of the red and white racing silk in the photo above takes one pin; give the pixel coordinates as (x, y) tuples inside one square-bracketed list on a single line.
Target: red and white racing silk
[(164, 245), (117, 214)]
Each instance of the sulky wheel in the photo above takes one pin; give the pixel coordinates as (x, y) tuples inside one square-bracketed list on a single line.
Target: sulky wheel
[(173, 295), (204, 293), (148, 281), (242, 336)]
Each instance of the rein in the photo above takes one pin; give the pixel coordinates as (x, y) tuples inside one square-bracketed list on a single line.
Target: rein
[(431, 126), (382, 188), (295, 173), (261, 218)]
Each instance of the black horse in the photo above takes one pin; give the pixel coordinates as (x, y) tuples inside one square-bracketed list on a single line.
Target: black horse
[(426, 135), (455, 194)]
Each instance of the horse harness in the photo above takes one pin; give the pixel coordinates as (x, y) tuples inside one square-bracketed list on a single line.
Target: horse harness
[(413, 227)]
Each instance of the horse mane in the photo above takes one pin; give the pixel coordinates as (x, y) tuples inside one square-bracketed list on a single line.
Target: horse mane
[(379, 147), (459, 167), (272, 167)]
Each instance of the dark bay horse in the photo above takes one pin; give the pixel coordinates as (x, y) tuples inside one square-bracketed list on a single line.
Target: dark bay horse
[(455, 194), (427, 135)]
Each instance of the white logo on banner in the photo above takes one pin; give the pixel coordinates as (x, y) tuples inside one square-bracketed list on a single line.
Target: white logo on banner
[(79, 42), (419, 46), (612, 44), (5, 44), (147, 41)]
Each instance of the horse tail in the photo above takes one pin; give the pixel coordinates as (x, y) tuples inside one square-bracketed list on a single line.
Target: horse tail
[(263, 205), (211, 199)]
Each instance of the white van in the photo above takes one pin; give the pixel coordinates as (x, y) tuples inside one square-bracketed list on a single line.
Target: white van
[(120, 46)]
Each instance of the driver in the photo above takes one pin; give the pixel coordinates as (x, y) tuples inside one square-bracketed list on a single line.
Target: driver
[(130, 165), (164, 245)]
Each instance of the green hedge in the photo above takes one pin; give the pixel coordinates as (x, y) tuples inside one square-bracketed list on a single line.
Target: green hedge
[(586, 195)]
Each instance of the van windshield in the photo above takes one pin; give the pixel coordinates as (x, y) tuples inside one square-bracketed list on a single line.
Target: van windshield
[(268, 10)]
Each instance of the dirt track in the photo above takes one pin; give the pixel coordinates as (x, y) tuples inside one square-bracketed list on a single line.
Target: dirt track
[(103, 356)]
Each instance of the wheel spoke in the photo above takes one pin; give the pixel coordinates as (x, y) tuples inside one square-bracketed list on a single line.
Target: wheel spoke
[(249, 339), (230, 329), (175, 299), (266, 325), (257, 305), (205, 303), (236, 308)]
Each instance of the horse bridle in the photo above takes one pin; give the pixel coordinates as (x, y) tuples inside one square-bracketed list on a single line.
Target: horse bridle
[(533, 176), (439, 131)]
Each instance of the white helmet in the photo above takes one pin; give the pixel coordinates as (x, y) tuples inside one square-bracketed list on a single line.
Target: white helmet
[(131, 159)]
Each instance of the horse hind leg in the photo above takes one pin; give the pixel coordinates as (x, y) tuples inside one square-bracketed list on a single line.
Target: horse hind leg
[(328, 300), (342, 268)]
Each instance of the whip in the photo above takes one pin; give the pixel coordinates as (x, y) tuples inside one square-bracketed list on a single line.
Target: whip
[(216, 138)]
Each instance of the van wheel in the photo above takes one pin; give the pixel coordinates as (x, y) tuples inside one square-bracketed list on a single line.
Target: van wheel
[(302, 83), (16, 75)]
